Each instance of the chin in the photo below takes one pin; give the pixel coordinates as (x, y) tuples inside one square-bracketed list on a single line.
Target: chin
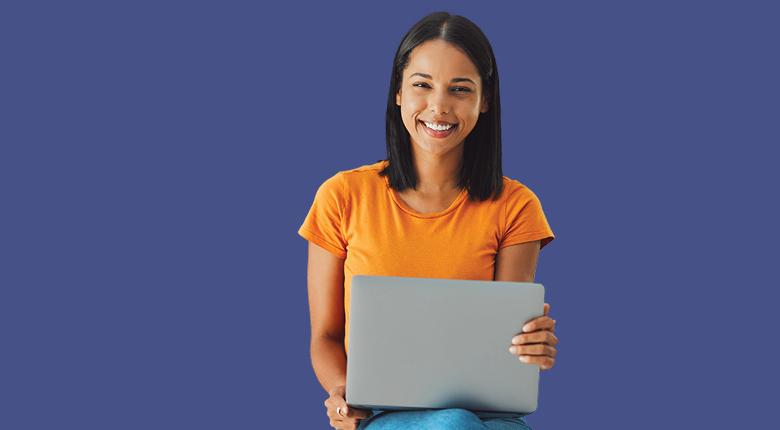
[(437, 148)]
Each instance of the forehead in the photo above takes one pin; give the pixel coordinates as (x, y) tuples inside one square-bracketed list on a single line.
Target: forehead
[(442, 60)]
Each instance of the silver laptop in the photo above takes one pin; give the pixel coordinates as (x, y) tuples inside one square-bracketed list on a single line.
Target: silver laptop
[(423, 343)]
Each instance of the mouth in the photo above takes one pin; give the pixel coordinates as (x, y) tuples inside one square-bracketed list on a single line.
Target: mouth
[(438, 129)]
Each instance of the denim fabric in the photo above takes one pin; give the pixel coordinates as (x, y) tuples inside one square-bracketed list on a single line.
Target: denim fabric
[(439, 419)]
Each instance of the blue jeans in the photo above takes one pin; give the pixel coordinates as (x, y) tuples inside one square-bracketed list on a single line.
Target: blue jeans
[(439, 419)]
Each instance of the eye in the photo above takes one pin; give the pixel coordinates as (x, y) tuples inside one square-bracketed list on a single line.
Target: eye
[(454, 89)]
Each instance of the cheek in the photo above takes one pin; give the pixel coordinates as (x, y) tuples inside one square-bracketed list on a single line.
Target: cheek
[(410, 111), (412, 106), (470, 114), (407, 118)]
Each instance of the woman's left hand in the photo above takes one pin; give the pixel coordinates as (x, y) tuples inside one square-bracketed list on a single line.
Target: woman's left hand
[(536, 343)]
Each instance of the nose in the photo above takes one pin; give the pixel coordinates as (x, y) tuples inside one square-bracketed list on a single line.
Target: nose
[(439, 102)]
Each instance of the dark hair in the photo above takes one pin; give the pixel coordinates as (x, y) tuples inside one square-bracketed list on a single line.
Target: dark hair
[(480, 171)]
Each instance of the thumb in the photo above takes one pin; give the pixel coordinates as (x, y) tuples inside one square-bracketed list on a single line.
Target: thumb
[(546, 308)]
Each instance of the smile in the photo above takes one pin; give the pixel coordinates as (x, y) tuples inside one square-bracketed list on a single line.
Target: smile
[(439, 130)]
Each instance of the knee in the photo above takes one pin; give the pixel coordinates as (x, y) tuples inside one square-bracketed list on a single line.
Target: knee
[(452, 419), (456, 413)]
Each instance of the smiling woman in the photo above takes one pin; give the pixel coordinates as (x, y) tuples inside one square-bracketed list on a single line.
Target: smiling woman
[(446, 108), (444, 73), (439, 206)]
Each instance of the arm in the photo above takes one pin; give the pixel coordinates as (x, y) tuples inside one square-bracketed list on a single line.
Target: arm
[(326, 307), (535, 344), (517, 263)]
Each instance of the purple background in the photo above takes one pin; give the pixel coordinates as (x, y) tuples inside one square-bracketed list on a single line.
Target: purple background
[(156, 160)]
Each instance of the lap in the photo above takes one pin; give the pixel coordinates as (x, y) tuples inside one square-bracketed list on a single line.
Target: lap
[(439, 419)]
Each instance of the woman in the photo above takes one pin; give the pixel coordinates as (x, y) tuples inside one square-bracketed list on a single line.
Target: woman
[(437, 207)]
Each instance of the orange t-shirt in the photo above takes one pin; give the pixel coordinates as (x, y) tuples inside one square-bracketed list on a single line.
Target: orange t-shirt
[(357, 216)]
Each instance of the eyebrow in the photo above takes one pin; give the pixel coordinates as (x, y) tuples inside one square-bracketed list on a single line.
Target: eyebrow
[(426, 76)]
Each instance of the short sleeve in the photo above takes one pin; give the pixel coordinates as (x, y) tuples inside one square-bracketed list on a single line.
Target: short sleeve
[(323, 223), (525, 219)]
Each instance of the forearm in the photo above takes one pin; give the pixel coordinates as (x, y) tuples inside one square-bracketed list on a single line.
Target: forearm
[(329, 362)]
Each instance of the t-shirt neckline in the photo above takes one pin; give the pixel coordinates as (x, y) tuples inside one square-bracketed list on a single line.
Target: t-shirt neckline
[(404, 207)]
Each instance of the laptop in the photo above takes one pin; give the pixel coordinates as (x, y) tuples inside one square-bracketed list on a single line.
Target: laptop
[(425, 343)]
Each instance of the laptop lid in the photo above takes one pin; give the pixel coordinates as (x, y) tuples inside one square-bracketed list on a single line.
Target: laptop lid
[(424, 343)]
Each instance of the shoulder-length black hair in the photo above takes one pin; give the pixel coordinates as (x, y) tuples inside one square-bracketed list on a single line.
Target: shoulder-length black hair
[(480, 171)]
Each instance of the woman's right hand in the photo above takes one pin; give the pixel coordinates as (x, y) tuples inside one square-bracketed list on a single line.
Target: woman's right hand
[(350, 417)]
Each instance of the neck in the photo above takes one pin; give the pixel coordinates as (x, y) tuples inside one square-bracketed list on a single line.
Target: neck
[(437, 172)]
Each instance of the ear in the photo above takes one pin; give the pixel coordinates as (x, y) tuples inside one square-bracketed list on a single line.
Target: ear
[(398, 98), (484, 107)]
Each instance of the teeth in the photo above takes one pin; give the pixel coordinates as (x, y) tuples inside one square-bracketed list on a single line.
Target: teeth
[(438, 127)]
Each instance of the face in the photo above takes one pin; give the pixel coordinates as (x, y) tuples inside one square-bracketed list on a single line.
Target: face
[(440, 85)]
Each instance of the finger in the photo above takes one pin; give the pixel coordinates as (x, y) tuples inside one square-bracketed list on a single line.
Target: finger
[(332, 403), (546, 308), (354, 412), (534, 349), (340, 422), (333, 411), (336, 418), (541, 336), (540, 323), (334, 415), (346, 425), (543, 361), (336, 424)]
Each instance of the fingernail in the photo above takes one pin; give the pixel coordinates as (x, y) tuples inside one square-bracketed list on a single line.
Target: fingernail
[(513, 349), (526, 328), (524, 358)]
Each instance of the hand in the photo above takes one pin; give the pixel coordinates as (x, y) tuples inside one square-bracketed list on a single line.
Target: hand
[(536, 343), (350, 417)]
